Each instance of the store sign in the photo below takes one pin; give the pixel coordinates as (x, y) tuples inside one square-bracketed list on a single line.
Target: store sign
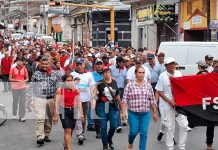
[(146, 15), (59, 10), (197, 19), (186, 25), (164, 13)]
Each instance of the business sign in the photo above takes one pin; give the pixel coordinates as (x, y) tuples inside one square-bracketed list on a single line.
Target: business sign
[(59, 10), (164, 13), (197, 19), (146, 15), (186, 25)]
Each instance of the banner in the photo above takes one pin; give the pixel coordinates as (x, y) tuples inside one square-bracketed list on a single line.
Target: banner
[(197, 97)]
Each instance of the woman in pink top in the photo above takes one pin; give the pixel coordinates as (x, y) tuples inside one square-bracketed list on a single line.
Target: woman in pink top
[(18, 77)]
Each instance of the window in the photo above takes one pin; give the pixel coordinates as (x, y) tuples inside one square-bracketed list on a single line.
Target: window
[(189, 8)]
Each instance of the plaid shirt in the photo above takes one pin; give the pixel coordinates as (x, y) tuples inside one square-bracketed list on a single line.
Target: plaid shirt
[(138, 99), (43, 85)]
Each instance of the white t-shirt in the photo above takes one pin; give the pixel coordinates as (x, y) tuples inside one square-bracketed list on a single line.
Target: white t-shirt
[(164, 85), (210, 69), (112, 60), (131, 74), (86, 80), (1, 56)]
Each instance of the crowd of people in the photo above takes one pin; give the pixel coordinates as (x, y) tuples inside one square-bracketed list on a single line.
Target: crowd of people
[(85, 88)]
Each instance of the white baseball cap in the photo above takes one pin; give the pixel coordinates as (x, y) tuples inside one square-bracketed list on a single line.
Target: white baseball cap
[(169, 60), (89, 55)]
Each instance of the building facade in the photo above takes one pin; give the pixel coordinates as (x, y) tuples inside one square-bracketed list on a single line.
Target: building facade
[(194, 20)]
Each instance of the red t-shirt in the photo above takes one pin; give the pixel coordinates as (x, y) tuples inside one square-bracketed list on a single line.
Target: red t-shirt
[(68, 97), (63, 59), (18, 74), (6, 65)]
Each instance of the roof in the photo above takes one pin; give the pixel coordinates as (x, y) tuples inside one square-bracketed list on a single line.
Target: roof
[(116, 4)]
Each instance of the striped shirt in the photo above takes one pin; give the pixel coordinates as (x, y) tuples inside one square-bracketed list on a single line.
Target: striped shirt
[(44, 85), (138, 99)]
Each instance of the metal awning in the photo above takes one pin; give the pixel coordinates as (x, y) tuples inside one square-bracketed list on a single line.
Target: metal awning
[(17, 14)]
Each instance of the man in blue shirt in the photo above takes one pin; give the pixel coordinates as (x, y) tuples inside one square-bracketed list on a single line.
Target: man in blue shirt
[(97, 75), (119, 74), (154, 68)]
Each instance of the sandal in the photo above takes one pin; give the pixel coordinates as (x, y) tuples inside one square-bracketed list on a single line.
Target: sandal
[(65, 148)]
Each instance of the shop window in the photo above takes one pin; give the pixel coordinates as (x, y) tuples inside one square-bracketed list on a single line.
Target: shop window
[(189, 8)]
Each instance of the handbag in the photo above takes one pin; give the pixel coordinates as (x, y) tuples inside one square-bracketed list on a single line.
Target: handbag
[(114, 100)]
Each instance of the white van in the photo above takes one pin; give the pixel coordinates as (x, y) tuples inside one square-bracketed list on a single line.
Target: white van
[(187, 54)]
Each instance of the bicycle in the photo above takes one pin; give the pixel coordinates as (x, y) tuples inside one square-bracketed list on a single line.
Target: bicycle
[(3, 115)]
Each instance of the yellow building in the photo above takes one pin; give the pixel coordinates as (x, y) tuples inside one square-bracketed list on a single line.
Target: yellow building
[(193, 21)]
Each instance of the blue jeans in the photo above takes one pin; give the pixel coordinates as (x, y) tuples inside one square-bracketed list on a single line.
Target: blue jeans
[(138, 123), (111, 116), (90, 118), (118, 119)]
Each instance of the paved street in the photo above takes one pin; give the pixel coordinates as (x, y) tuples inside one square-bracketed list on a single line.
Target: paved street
[(19, 136)]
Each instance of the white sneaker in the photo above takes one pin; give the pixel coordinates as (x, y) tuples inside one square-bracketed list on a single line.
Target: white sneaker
[(189, 129), (14, 117), (22, 120), (119, 129)]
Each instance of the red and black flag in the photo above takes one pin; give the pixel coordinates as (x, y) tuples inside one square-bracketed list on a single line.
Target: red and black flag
[(197, 97)]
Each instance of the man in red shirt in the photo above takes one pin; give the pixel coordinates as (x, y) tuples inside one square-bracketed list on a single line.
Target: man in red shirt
[(5, 68), (64, 56)]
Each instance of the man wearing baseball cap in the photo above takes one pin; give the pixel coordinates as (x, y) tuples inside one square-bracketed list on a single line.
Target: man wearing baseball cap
[(118, 72), (94, 125), (166, 106), (86, 87), (154, 68), (209, 62)]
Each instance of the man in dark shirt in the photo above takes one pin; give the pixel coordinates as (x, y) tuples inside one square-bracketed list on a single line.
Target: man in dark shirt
[(211, 125)]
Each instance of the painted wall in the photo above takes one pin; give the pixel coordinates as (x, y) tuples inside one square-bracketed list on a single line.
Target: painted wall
[(197, 18)]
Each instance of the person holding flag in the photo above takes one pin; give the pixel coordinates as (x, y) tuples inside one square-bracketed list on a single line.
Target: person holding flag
[(167, 107)]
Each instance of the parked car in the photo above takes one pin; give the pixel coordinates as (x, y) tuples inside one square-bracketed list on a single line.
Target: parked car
[(47, 39), (187, 54), (16, 36), (39, 35), (29, 34)]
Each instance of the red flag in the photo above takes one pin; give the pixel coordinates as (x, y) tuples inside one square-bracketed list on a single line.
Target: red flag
[(197, 97), (190, 90)]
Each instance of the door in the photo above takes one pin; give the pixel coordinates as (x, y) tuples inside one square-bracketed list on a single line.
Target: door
[(140, 44)]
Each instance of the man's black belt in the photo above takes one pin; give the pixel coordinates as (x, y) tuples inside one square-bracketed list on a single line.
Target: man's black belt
[(121, 89)]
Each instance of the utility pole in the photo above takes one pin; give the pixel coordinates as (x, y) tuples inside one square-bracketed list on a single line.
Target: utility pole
[(44, 28), (208, 21), (27, 16)]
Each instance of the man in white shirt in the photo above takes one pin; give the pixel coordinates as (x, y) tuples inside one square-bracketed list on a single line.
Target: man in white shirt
[(86, 88), (167, 107), (209, 62), (131, 72)]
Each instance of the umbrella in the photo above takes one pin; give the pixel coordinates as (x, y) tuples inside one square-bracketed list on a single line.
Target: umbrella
[(2, 27)]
